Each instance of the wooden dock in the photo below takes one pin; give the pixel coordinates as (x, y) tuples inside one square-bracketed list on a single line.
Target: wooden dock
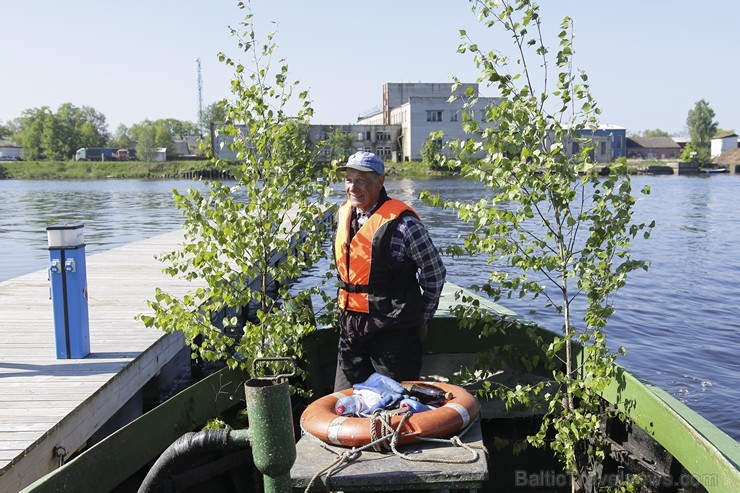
[(51, 406)]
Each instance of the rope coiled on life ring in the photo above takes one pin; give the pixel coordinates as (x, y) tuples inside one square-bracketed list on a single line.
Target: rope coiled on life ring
[(445, 421), (388, 429)]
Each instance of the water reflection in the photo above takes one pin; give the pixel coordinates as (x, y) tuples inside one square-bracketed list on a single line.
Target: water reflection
[(114, 213), (677, 321)]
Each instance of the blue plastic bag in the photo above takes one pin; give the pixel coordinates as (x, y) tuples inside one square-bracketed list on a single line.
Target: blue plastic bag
[(379, 392), (376, 393)]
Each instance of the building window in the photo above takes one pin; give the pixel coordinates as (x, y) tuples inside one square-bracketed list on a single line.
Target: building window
[(363, 135), (383, 151), (453, 116), (382, 135), (367, 149), (434, 115), (602, 148), (575, 148)]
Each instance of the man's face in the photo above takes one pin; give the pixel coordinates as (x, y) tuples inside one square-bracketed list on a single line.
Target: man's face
[(363, 188)]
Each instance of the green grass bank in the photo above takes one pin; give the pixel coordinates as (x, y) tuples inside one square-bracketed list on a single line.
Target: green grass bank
[(88, 170), (83, 170)]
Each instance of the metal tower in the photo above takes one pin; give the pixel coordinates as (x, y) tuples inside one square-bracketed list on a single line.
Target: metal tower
[(200, 99)]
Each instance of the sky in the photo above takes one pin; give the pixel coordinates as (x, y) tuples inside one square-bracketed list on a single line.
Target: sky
[(648, 62)]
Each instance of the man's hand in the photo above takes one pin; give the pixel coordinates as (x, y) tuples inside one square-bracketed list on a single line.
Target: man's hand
[(423, 331)]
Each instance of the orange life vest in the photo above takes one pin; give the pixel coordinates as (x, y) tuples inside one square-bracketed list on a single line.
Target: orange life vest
[(370, 280)]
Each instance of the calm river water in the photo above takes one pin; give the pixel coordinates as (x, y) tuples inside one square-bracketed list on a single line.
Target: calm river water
[(677, 321)]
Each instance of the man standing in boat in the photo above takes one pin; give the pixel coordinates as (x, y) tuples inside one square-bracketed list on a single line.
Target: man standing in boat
[(390, 279)]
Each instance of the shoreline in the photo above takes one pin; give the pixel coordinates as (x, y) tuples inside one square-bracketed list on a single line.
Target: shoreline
[(116, 170), (204, 169)]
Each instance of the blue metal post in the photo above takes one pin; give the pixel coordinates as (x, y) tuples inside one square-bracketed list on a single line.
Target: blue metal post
[(68, 277)]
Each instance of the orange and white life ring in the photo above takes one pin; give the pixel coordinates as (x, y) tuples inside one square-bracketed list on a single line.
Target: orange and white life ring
[(445, 421)]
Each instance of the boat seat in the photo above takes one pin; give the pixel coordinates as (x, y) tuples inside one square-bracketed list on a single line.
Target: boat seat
[(435, 366), (375, 471)]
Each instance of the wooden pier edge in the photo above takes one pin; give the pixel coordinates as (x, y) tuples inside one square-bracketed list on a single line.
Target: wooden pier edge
[(49, 404), (72, 431)]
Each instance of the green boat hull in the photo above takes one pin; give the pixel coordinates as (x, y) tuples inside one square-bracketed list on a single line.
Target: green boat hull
[(677, 448)]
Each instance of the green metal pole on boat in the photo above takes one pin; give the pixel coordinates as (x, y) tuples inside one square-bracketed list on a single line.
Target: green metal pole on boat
[(271, 427)]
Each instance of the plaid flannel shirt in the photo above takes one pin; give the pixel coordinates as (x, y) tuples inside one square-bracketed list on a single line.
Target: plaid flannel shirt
[(411, 240)]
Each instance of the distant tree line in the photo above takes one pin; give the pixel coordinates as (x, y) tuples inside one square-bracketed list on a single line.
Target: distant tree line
[(44, 134), (650, 133), (47, 135), (55, 136)]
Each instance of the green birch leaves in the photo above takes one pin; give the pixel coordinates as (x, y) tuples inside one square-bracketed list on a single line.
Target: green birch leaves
[(248, 240), (556, 231)]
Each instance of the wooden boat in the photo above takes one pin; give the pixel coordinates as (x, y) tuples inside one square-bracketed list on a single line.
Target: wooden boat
[(670, 446)]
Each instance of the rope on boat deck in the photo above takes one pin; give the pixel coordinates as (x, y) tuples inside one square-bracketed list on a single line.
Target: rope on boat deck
[(379, 444)]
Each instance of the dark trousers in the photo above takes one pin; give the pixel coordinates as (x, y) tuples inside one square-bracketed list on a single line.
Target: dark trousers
[(395, 353)]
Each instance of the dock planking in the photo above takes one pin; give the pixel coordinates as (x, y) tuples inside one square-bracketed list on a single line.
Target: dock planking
[(48, 403)]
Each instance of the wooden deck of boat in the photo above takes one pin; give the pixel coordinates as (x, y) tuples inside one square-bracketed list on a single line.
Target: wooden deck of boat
[(45, 402)]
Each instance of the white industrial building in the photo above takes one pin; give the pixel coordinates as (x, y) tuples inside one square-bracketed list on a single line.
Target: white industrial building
[(381, 140), (724, 143), (422, 108), (410, 112), (398, 130), (9, 151)]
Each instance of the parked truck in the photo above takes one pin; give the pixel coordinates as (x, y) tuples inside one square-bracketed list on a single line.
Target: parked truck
[(104, 154)]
